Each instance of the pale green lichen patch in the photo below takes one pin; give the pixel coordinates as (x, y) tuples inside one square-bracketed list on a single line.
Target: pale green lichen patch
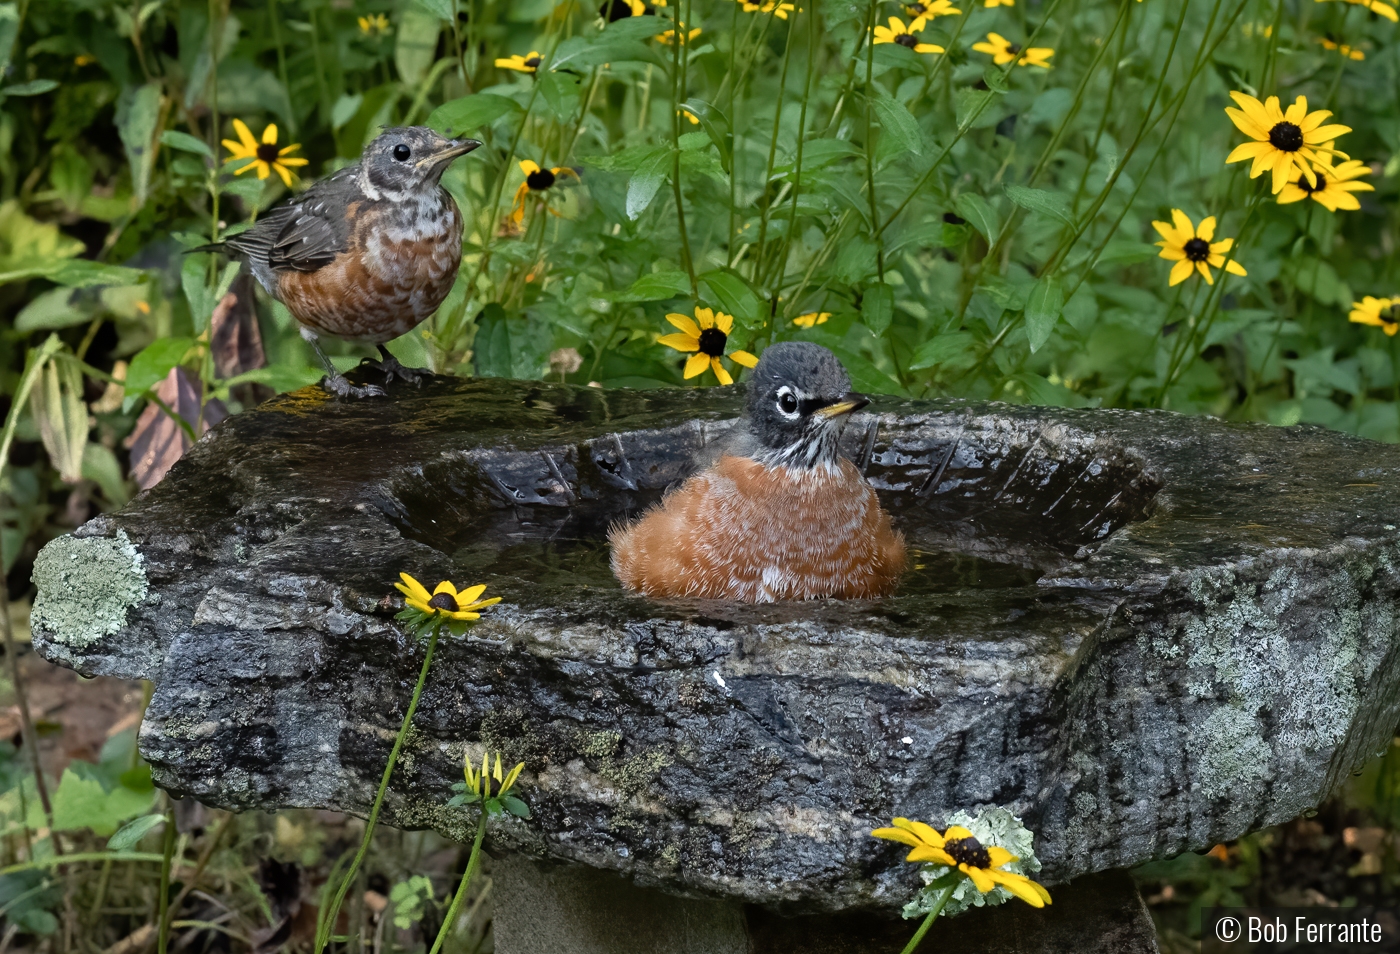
[(86, 585)]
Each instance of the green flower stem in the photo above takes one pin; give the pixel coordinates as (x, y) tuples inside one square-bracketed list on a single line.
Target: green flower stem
[(772, 154), (163, 903), (327, 917), (943, 897), (680, 55), (473, 862)]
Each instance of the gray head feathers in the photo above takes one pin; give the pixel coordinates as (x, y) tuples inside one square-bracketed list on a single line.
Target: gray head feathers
[(799, 395)]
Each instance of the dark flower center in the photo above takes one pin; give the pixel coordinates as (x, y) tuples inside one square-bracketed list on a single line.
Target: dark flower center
[(907, 39), (615, 10), (1197, 249), (968, 851), (1310, 189), (712, 342), (952, 218), (1286, 136), (444, 601), (267, 151), (1013, 48), (1388, 316), (916, 9), (540, 179), (533, 62)]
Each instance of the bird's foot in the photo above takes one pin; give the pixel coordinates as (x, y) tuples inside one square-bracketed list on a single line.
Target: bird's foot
[(390, 367), (340, 387)]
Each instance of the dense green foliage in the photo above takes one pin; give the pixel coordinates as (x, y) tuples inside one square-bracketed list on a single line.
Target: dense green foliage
[(961, 228)]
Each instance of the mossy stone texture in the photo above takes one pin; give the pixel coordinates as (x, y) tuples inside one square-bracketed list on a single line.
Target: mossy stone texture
[(1141, 632)]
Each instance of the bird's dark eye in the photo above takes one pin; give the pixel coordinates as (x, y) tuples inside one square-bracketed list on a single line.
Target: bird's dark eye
[(787, 403), (402, 152)]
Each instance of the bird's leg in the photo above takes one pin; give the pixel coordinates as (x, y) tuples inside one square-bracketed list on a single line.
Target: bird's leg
[(334, 381), (391, 368)]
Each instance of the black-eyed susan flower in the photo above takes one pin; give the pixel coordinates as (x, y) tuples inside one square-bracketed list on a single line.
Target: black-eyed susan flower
[(1003, 51), (1192, 250), (376, 24), (1332, 186), (707, 335), (906, 36), (1378, 7), (1383, 313), (811, 319), (669, 36), (529, 63), (445, 600), (614, 10), (537, 179), (958, 849), (266, 156), (1330, 42), (1282, 140), (939, 8), (477, 787), (779, 10)]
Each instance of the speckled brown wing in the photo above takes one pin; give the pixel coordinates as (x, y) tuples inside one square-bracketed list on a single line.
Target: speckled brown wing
[(746, 532)]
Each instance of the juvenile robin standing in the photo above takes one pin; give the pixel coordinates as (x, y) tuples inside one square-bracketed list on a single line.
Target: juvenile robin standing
[(780, 515), (367, 253)]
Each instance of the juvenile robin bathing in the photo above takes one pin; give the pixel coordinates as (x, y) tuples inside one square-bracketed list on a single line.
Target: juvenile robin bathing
[(780, 515), (367, 253)]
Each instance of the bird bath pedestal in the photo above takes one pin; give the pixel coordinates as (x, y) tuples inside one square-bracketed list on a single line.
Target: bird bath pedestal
[(1143, 633)]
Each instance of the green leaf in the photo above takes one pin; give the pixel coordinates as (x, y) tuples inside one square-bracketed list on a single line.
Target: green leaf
[(185, 142), (877, 308), (51, 310), (732, 295), (1043, 307), (716, 126), (442, 9), (138, 114), (130, 834), (1082, 309), (979, 214), (415, 43), (153, 362), (84, 273), (32, 88), (83, 801), (650, 176), (9, 29), (995, 78), (970, 107), (470, 113), (899, 123), (657, 286), (953, 349), (409, 898), (1052, 204), (515, 806)]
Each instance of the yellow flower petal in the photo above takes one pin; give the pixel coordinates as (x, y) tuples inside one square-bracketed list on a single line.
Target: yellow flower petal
[(1019, 886), (931, 855), (705, 317), (470, 594), (245, 135), (720, 373), (680, 342), (724, 323), (696, 365), (1204, 269), (999, 856), (1206, 230), (744, 358), (979, 877), (899, 835), (1180, 272), (445, 587), (411, 587), (1235, 268), (685, 323)]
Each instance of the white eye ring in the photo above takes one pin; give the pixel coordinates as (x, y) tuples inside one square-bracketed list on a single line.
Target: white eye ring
[(787, 403)]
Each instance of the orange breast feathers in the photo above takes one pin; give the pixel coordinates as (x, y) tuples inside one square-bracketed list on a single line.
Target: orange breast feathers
[(743, 531)]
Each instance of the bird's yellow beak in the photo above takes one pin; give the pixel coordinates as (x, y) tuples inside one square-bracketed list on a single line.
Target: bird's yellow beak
[(849, 403)]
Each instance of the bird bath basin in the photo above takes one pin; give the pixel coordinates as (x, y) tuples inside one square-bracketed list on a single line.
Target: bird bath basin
[(1142, 632)]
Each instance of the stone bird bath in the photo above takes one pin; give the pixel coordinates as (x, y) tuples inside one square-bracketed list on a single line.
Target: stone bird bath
[(1142, 632)]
